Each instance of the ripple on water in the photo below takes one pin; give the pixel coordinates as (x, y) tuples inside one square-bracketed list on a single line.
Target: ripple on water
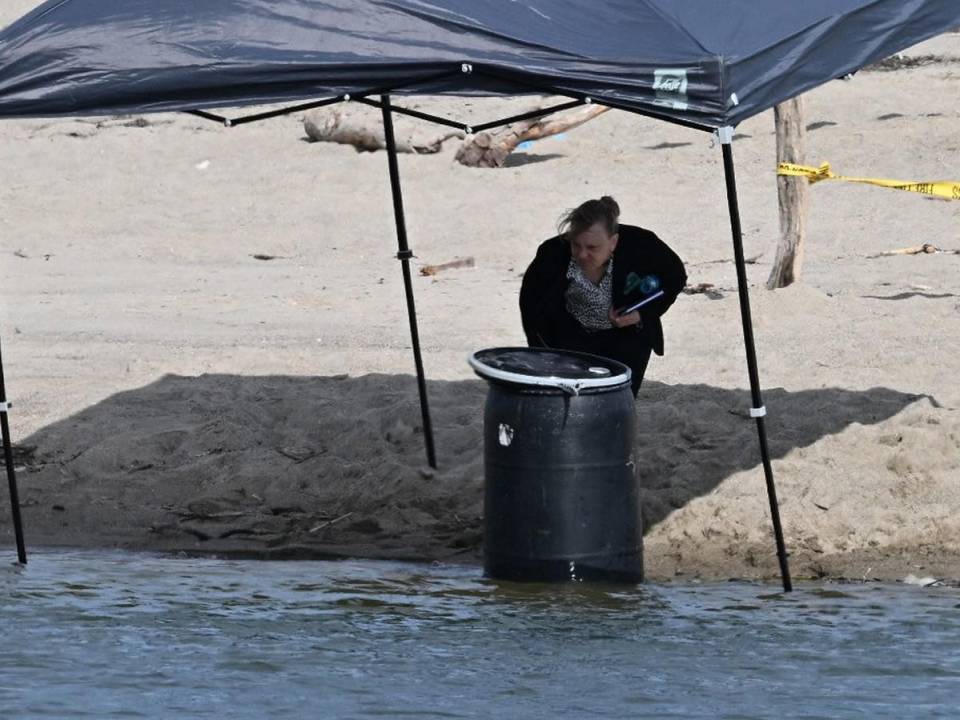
[(113, 634)]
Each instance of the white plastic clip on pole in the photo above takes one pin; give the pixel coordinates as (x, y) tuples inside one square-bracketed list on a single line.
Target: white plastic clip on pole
[(5, 406), (758, 412), (725, 134)]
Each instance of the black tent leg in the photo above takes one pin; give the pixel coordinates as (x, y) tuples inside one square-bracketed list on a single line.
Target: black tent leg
[(404, 256), (11, 474), (758, 411)]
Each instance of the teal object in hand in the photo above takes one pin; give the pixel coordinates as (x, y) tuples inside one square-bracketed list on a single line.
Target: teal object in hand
[(647, 284)]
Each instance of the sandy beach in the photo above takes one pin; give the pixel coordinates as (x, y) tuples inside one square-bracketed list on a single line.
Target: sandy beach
[(173, 391)]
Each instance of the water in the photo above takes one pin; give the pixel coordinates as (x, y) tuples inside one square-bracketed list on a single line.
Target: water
[(115, 635)]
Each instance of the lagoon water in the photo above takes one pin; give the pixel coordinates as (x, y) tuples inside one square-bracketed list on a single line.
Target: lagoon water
[(123, 635)]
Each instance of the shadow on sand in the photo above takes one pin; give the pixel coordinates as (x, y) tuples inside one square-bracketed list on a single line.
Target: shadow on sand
[(312, 466)]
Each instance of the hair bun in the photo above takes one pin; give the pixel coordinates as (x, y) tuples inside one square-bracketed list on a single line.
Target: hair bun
[(610, 203)]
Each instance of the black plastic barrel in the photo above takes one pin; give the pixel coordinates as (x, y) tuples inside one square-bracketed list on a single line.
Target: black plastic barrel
[(561, 498)]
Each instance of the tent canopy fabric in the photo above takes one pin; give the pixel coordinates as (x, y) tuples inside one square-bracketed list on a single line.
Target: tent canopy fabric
[(711, 63)]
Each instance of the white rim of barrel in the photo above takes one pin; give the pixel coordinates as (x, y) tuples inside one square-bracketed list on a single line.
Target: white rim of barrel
[(572, 385)]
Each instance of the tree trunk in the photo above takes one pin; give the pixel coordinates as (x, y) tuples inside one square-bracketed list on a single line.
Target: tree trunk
[(491, 148), (792, 195)]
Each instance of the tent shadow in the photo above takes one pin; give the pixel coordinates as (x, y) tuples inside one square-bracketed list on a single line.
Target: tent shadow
[(314, 466), (693, 437)]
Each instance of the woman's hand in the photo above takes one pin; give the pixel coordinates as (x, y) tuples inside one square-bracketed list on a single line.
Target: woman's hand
[(622, 321)]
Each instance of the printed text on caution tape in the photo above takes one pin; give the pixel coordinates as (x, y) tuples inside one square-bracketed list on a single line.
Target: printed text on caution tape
[(940, 188)]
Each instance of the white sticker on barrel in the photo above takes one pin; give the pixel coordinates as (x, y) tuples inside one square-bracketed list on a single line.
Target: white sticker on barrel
[(506, 434)]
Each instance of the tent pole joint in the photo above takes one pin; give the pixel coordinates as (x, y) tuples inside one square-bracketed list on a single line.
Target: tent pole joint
[(405, 254), (725, 134)]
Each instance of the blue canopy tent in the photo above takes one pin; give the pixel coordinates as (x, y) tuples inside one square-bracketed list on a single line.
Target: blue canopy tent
[(704, 64)]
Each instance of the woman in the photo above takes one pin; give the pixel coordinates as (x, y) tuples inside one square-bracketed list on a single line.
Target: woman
[(578, 292)]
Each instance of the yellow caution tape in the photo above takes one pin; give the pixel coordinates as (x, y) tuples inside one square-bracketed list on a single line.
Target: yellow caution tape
[(940, 188)]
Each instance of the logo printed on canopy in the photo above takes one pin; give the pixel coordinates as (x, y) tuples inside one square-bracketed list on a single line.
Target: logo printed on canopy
[(670, 88)]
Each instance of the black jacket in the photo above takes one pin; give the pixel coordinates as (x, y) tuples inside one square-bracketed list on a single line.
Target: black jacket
[(542, 299)]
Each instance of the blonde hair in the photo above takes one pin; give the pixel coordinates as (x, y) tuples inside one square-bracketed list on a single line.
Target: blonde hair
[(604, 211)]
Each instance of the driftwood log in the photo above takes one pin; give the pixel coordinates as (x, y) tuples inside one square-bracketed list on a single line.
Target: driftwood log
[(925, 249), (491, 148), (450, 265), (362, 127)]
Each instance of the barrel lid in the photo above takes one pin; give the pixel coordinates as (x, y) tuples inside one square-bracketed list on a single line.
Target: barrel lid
[(563, 369)]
